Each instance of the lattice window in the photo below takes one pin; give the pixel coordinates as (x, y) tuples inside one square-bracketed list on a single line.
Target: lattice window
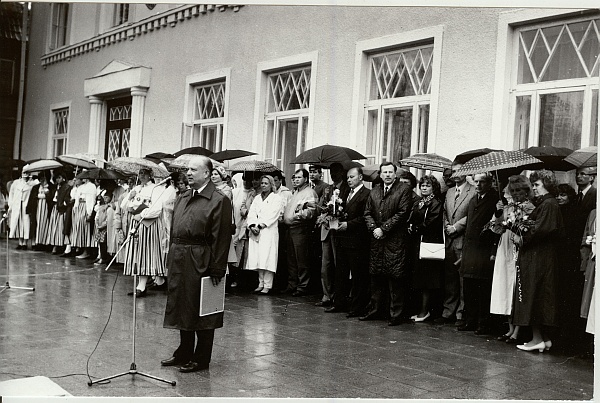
[(289, 90), (60, 131), (118, 143), (559, 52), (555, 83), (120, 113), (210, 102), (125, 142), (401, 73)]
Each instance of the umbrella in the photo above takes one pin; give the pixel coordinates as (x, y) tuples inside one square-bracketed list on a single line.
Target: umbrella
[(584, 157), (100, 173), (194, 150), (158, 157), (81, 160), (469, 155), (552, 157), (497, 160), (231, 155), (133, 165), (430, 161), (253, 166), (11, 162), (42, 165), (183, 161), (370, 172), (345, 164), (327, 153)]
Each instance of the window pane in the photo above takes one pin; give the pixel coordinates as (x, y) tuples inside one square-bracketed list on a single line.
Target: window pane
[(524, 74), (269, 141), (209, 137), (60, 146), (522, 122), (564, 62), (397, 134), (423, 127), (303, 134), (561, 119), (196, 136), (288, 132), (594, 126), (210, 101), (289, 90), (371, 141)]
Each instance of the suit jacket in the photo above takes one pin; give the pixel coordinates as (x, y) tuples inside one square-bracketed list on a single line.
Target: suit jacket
[(455, 213), (478, 249), (356, 235), (63, 197), (319, 188), (344, 192), (582, 211)]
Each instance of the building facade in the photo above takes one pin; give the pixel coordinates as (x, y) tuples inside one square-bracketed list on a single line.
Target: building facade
[(132, 79)]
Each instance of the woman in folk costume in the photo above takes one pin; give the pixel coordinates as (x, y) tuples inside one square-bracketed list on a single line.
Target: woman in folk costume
[(143, 251), (83, 224), (221, 180), (122, 219), (263, 241), (57, 216), (242, 200), (518, 193), (71, 249), (111, 230), (17, 203), (39, 208)]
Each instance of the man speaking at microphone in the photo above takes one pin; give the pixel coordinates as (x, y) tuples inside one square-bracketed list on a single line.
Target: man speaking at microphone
[(200, 238)]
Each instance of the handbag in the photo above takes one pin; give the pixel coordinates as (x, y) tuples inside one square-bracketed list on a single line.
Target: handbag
[(430, 250)]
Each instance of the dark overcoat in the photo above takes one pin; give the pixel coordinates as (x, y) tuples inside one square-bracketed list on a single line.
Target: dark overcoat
[(390, 255), (478, 249), (200, 238), (535, 298)]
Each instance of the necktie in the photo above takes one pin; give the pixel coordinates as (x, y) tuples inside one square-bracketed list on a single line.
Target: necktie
[(350, 195), (579, 197), (457, 194), (386, 189)]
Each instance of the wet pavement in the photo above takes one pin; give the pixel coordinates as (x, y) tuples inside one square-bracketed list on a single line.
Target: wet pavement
[(270, 346)]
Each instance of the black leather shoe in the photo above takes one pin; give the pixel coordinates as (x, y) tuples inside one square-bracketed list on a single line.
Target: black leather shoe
[(192, 367), (172, 362), (334, 309), (369, 316)]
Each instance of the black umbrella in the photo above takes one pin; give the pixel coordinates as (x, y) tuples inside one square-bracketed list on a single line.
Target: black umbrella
[(195, 151), (158, 157), (100, 173), (469, 155), (552, 157), (226, 155), (327, 154)]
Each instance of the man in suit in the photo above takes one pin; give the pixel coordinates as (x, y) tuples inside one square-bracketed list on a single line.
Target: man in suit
[(477, 263), (455, 211), (316, 183), (352, 245), (386, 214), (328, 252), (586, 197)]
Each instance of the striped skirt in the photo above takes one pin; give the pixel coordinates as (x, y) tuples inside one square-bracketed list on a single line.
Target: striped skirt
[(57, 227), (82, 235), (111, 234), (144, 251), (42, 232)]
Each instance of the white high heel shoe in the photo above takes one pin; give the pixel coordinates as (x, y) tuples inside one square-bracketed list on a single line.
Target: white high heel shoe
[(548, 345), (541, 346)]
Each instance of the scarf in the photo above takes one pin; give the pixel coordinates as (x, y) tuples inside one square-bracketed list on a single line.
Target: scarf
[(425, 200)]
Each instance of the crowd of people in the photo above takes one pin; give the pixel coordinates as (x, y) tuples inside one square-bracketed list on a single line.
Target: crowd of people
[(512, 257)]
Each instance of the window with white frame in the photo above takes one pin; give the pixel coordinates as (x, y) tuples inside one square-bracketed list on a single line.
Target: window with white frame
[(120, 14), (59, 25), (60, 131), (208, 115), (398, 102), (287, 112), (554, 94)]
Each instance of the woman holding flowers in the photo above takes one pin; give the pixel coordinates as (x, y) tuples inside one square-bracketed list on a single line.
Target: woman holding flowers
[(539, 239), (508, 220)]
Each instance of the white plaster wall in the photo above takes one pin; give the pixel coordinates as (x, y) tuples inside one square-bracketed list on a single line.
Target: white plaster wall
[(260, 33)]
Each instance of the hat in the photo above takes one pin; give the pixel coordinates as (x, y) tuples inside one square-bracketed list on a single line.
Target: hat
[(222, 172), (588, 170)]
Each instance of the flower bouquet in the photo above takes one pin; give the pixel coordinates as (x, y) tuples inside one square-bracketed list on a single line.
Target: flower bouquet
[(332, 212)]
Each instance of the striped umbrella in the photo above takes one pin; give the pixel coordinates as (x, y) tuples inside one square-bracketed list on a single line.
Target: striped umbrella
[(133, 165), (253, 166), (497, 160), (42, 165), (430, 161)]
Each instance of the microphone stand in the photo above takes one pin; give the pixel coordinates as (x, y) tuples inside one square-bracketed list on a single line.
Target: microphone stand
[(7, 286), (133, 367)]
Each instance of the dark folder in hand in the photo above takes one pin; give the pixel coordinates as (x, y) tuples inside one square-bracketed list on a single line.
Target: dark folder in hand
[(212, 299)]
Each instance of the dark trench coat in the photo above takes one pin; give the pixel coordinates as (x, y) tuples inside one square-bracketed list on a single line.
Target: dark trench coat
[(200, 238), (390, 255)]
